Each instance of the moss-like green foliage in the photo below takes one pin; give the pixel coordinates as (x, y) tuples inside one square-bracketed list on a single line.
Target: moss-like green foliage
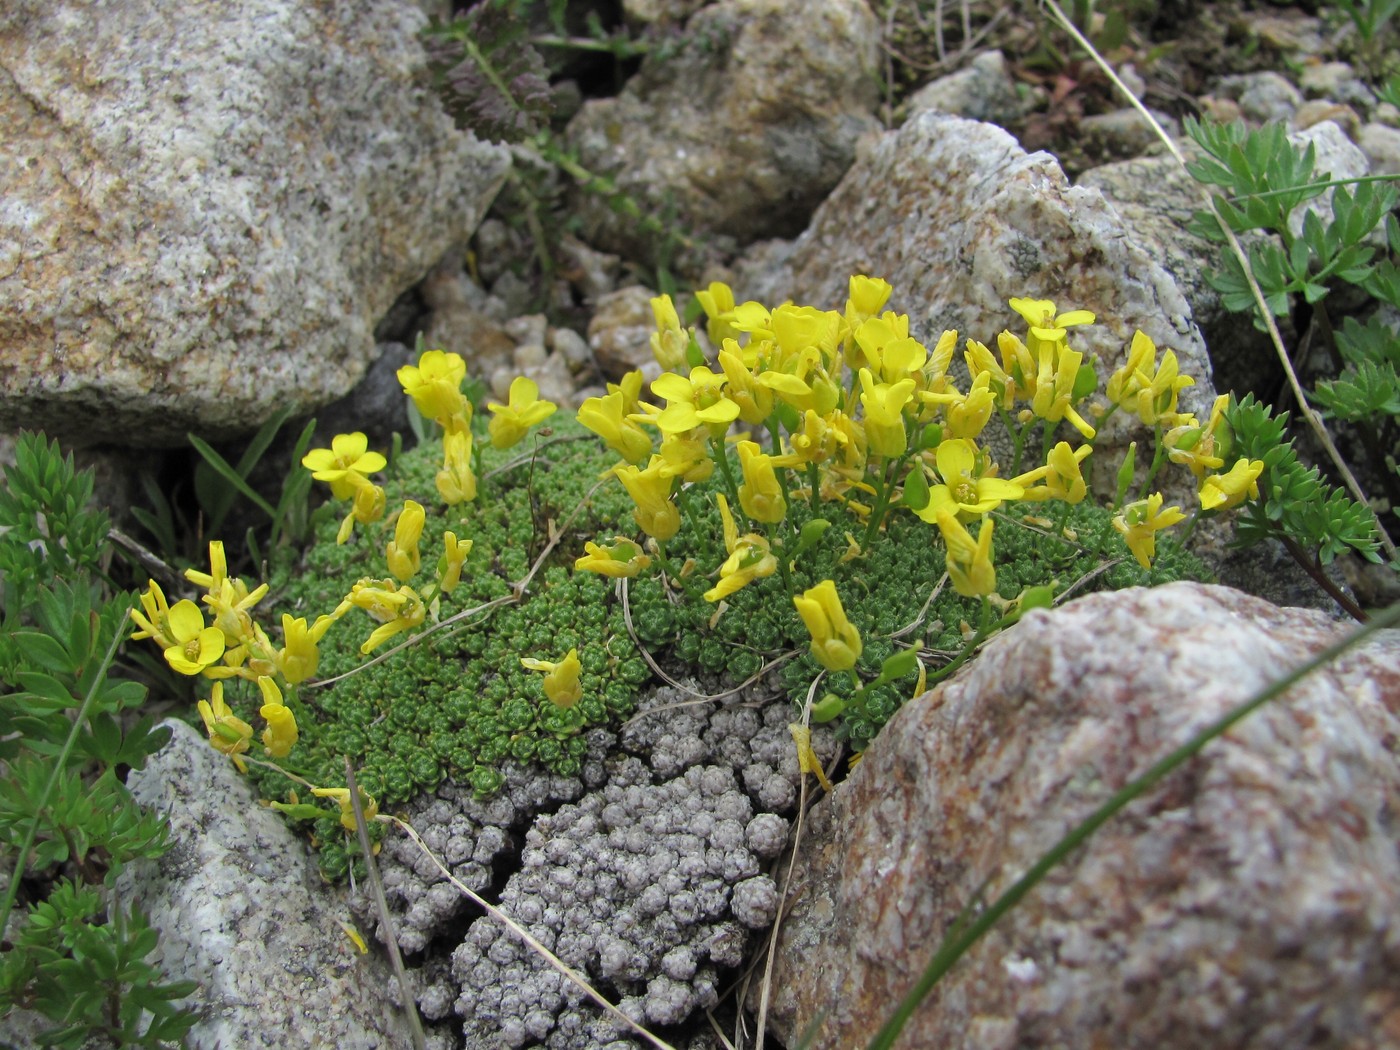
[(457, 704)]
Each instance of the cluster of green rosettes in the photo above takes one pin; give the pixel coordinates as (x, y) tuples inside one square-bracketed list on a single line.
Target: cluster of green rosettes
[(807, 551)]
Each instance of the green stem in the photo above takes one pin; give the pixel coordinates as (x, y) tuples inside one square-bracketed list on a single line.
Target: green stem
[(814, 480), (776, 545), (964, 935), (721, 458), (984, 631), (1159, 456)]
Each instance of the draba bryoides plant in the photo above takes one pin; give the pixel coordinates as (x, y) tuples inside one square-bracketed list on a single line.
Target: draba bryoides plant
[(802, 486)]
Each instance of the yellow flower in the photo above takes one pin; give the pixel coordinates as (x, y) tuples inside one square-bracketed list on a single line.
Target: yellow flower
[(799, 329), (699, 400), (435, 385), (887, 346), (981, 361), (396, 607), (1053, 399), (1061, 474), (509, 423), (816, 441), (866, 297), (280, 736), (760, 495), (450, 564), (1046, 326), (686, 456), (884, 414), (803, 384), (227, 732), (211, 581), (1223, 491), (228, 597), (964, 489), (965, 416), (561, 680), (670, 342), (623, 558), (1200, 449), (650, 490), (1019, 366), (1141, 521), (402, 553), (1141, 386), (196, 647), (347, 811), (299, 656), (231, 615), (750, 557), (456, 481), (755, 400), (608, 418), (367, 508), (718, 303), (345, 465), (155, 624), (969, 561), (835, 641)]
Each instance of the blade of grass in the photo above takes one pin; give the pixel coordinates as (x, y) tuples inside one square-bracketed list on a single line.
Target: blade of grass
[(229, 474), (381, 904), (963, 936)]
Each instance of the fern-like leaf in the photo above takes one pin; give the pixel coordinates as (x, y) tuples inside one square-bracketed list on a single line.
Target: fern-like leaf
[(490, 77)]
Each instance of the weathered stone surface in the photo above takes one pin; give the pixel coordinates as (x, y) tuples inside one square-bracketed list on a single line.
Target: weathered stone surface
[(742, 131), (960, 219), (207, 209), (620, 333), (241, 908), (1157, 199), (1250, 900), (983, 90)]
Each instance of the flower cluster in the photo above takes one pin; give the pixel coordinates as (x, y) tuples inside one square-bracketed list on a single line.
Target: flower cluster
[(224, 639), (846, 408)]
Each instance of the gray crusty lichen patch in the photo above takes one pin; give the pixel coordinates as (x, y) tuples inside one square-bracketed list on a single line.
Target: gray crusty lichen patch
[(647, 874)]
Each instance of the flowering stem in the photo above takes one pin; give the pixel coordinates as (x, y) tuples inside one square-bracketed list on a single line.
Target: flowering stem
[(814, 480), (1159, 455), (721, 459), (885, 483), (777, 546), (984, 631)]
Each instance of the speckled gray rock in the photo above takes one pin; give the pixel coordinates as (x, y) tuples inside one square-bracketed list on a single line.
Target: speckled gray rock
[(742, 131), (619, 333), (1381, 144), (984, 90), (1157, 198), (1248, 901), (1337, 82), (1262, 97), (207, 209), (960, 219), (1336, 157), (241, 908)]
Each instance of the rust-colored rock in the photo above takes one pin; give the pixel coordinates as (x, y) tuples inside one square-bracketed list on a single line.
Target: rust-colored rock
[(1251, 900)]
